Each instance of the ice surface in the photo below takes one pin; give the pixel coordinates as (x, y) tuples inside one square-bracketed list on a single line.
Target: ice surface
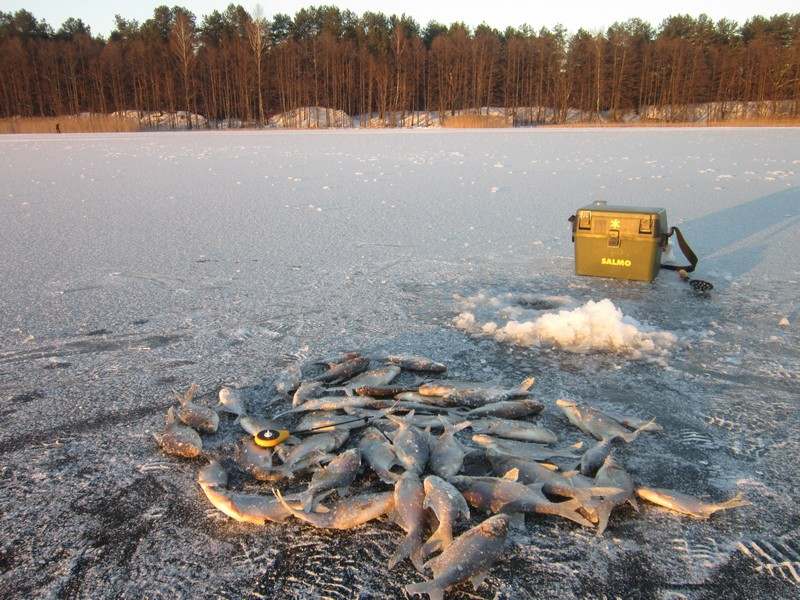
[(135, 264)]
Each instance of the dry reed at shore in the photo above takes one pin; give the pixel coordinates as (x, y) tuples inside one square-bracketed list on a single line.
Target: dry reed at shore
[(68, 124), (476, 121)]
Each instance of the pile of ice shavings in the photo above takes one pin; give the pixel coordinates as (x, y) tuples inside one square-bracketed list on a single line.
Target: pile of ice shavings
[(591, 327)]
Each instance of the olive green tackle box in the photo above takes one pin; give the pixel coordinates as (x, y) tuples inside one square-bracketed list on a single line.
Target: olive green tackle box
[(623, 242)]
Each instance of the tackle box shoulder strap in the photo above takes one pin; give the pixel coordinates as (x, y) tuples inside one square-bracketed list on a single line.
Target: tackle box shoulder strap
[(687, 252)]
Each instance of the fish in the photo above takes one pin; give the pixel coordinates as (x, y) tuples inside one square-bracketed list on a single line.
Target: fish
[(411, 362), (514, 430), (519, 449), (252, 424), (231, 400), (344, 371), (410, 444), (379, 454), (288, 380), (470, 556), (447, 454), (196, 416), (246, 508), (337, 474), (506, 494), (508, 409), (449, 506), (178, 439), (612, 474), (317, 444), (310, 390), (384, 391), (686, 504), (594, 457), (428, 399), (328, 421), (375, 377), (255, 460), (348, 513), (472, 394), (633, 422), (596, 423), (341, 403), (409, 496), (336, 359)]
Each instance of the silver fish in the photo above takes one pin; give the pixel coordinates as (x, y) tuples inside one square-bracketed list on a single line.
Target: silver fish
[(338, 474), (379, 454), (231, 400), (594, 422), (508, 409), (411, 362), (255, 460), (595, 456), (310, 390), (320, 443), (506, 494), (341, 403), (514, 430), (470, 556), (633, 422), (409, 496), (526, 450), (410, 445), (447, 454), (384, 391), (178, 439), (337, 359), (348, 513), (344, 371), (288, 380), (474, 394), (194, 415), (686, 504), (449, 506), (375, 377), (429, 399)]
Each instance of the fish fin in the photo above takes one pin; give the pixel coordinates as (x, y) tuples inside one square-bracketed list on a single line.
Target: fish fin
[(283, 502), (599, 490), (549, 466), (526, 384), (307, 501), (398, 420), (512, 474), (634, 504), (463, 425), (171, 418), (477, 579), (635, 433), (736, 501), (568, 510), (439, 540), (603, 513), (426, 587)]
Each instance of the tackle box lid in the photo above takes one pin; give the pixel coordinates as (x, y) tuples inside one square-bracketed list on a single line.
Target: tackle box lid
[(646, 214)]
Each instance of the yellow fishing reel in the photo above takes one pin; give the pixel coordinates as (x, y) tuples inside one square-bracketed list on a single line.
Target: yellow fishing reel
[(269, 438)]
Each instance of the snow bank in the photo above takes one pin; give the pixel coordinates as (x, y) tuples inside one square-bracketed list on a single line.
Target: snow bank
[(163, 120), (591, 327), (311, 117)]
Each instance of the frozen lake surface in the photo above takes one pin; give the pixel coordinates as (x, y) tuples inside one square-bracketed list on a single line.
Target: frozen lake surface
[(135, 264)]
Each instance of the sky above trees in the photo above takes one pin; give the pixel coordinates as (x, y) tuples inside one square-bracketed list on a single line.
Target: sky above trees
[(572, 14)]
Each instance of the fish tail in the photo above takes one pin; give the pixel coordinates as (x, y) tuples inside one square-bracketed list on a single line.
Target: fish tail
[(526, 384), (736, 501), (408, 548), (603, 513), (440, 540), (629, 437), (307, 501), (426, 587), (568, 510)]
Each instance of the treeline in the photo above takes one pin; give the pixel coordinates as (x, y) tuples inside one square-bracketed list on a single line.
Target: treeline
[(237, 65)]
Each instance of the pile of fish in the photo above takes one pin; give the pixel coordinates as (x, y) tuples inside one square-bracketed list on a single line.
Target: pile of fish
[(427, 451)]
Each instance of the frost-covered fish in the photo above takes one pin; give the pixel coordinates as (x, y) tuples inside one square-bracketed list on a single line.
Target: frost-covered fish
[(328, 421), (519, 449), (337, 359), (474, 394), (409, 496), (374, 377), (410, 444), (633, 422), (317, 444), (247, 508), (384, 391), (194, 415), (310, 390), (288, 380), (613, 475), (178, 439), (411, 362), (255, 460), (596, 423), (231, 400), (341, 403), (348, 513), (379, 454), (337, 474), (508, 409), (428, 399), (344, 371), (447, 454), (514, 430), (506, 494), (686, 504), (470, 556), (449, 506)]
